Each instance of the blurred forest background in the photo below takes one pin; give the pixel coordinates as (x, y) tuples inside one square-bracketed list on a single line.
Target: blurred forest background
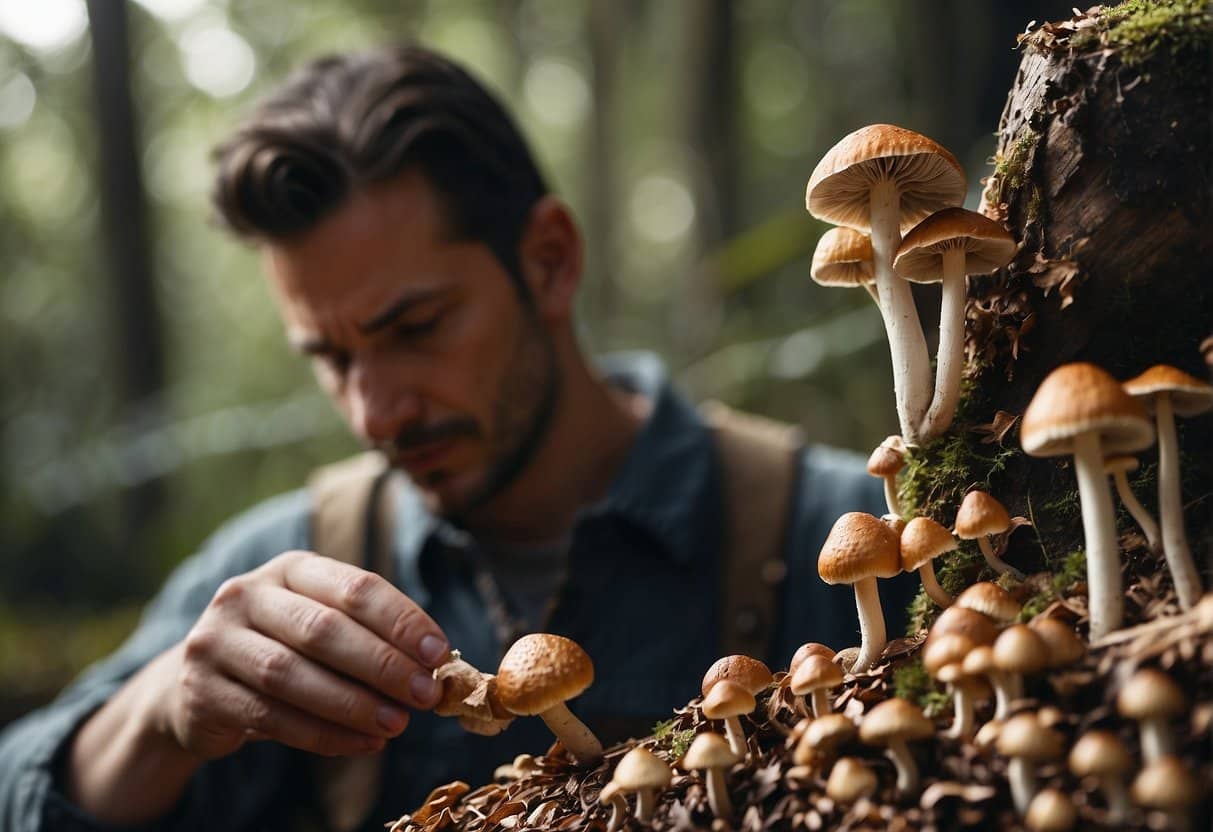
[(146, 392)]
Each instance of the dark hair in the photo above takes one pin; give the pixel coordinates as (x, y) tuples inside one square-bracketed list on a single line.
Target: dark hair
[(347, 121)]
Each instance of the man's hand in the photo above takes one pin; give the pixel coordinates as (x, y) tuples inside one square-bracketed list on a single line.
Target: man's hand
[(306, 651)]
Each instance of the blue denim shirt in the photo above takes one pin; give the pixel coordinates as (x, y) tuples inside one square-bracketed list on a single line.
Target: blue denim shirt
[(640, 597)]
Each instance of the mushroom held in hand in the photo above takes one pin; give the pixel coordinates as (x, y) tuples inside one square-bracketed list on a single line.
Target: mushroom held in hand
[(643, 772), (922, 541), (538, 674), (1079, 409), (1170, 392), (860, 549), (892, 724), (980, 516), (945, 248), (711, 753), (843, 257), (883, 178), (1118, 467)]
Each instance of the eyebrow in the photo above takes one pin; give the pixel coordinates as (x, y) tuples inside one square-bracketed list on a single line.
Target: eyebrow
[(311, 344)]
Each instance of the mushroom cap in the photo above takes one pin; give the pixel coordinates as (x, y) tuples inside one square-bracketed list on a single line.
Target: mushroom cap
[(1166, 784), (980, 629), (1189, 395), (894, 522), (746, 671), (928, 176), (1100, 754), (990, 599), (809, 648), (829, 730), (540, 671), (641, 769), (946, 650), (922, 540), (987, 246), (1120, 462), (980, 515), (1150, 693), (1019, 649), (859, 546), (726, 699), (1064, 644), (888, 458), (815, 672), (843, 257), (1051, 811), (1023, 736), (979, 661), (893, 719), (709, 750), (609, 792), (850, 780), (1079, 398)]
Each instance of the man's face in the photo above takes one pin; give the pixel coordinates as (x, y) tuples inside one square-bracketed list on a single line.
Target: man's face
[(424, 343)]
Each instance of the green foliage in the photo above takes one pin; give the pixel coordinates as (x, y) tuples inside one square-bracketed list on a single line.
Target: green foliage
[(912, 683), (673, 740), (1067, 571), (1137, 29)]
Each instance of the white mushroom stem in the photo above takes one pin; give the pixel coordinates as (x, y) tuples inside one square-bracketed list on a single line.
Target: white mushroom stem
[(890, 494), (618, 807), (1007, 688), (644, 804), (572, 733), (872, 637), (1170, 507), (907, 770), (931, 585), (996, 563), (949, 359), (821, 702), (1022, 774), (907, 344), (963, 724), (1143, 518), (1156, 739), (736, 736), (718, 793), (1117, 797), (1099, 531)]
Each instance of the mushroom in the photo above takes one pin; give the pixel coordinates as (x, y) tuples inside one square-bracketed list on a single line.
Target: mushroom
[(850, 780), (643, 772), (1170, 392), (537, 675), (821, 739), (612, 794), (746, 671), (980, 516), (1079, 409), (809, 648), (728, 700), (979, 628), (1167, 784), (814, 678), (1102, 756), (945, 248), (1026, 742), (711, 753), (889, 458), (1064, 645), (1119, 467), (893, 723), (1017, 651), (922, 541), (1051, 811), (843, 257), (880, 179), (943, 659), (991, 600), (1151, 697), (858, 550)]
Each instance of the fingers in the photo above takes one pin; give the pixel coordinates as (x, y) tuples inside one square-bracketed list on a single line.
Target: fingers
[(370, 600), (336, 641)]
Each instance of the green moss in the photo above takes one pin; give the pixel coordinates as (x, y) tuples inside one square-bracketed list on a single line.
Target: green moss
[(672, 739), (912, 683), (1067, 571), (938, 474), (1010, 169), (1137, 29)]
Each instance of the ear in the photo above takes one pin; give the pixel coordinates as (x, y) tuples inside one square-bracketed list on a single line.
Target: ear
[(551, 255)]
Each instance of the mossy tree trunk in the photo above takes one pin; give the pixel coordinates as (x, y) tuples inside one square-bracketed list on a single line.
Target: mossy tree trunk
[(1103, 172)]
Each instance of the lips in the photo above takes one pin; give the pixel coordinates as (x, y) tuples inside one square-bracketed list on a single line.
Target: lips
[(425, 456)]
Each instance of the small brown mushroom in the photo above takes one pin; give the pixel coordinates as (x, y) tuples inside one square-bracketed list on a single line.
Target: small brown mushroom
[(728, 700), (979, 517), (1064, 645), (1026, 742), (850, 780), (892, 724), (710, 753), (922, 541), (943, 659), (1018, 651), (843, 257), (821, 739), (809, 648), (1101, 755), (643, 772), (1152, 698), (991, 600), (750, 673), (1119, 466), (1168, 785), (814, 678), (979, 628), (613, 795), (885, 462), (1051, 811)]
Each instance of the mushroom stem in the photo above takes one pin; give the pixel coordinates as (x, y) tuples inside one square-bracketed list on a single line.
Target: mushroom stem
[(736, 736), (1022, 774), (949, 359), (907, 344), (1004, 692), (644, 804), (718, 794), (931, 585), (1117, 797), (1099, 533), (572, 733), (963, 725), (890, 494), (996, 563), (1156, 739), (618, 807), (1143, 518), (872, 637), (821, 702), (907, 770), (1170, 507)]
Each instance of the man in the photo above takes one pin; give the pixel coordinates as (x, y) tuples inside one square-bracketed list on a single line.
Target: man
[(419, 260)]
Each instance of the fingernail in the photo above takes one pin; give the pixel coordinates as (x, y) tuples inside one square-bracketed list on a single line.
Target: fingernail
[(423, 686), (433, 649), (391, 719)]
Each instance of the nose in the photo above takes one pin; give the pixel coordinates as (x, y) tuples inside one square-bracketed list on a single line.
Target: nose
[(380, 404)]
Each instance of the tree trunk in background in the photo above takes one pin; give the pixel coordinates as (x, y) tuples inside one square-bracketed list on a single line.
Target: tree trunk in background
[(134, 315), (605, 23), (1103, 172)]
